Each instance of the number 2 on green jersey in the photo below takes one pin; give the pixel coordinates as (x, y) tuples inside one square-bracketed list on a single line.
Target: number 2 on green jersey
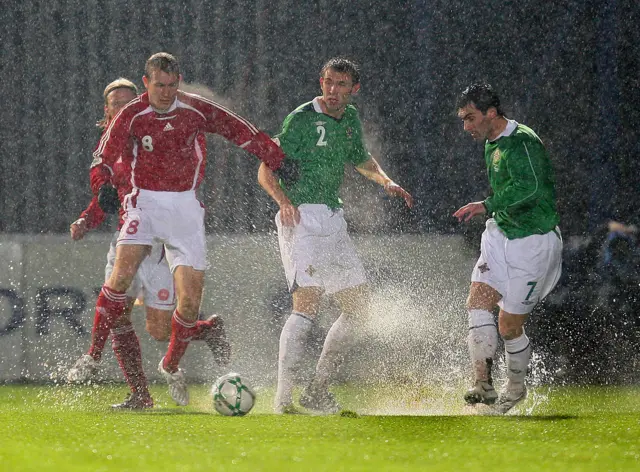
[(321, 132)]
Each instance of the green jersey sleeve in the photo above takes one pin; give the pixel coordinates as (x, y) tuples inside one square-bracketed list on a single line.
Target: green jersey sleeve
[(359, 154)]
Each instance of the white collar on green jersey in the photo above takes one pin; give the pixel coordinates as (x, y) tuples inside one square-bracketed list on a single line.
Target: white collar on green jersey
[(510, 128), (316, 105)]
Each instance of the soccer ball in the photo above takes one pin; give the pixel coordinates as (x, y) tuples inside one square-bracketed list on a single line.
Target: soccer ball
[(232, 396)]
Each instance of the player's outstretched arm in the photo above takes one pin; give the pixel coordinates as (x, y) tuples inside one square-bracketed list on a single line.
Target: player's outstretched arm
[(289, 214), (89, 219), (372, 171), (240, 131)]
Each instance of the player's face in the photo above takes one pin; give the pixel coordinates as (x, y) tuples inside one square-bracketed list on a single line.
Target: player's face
[(117, 99), (479, 125), (162, 88), (337, 88)]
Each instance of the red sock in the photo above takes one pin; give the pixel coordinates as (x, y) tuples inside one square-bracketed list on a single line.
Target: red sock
[(202, 329), (181, 333), (110, 305), (126, 347)]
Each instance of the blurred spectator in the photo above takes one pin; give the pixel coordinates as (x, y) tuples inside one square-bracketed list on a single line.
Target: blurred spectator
[(595, 324)]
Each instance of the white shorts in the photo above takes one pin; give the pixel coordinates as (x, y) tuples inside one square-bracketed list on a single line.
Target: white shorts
[(318, 252), (522, 270), (153, 283), (175, 219)]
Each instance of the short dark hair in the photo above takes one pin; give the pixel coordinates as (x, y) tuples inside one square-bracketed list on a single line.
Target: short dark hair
[(162, 61), (343, 65), (482, 96)]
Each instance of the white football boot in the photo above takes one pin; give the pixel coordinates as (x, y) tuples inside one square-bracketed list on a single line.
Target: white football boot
[(287, 409), (319, 399), (509, 398), (177, 385), (83, 370), (481, 392)]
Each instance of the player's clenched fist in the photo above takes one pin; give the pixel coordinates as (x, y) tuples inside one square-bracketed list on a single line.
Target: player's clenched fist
[(78, 229)]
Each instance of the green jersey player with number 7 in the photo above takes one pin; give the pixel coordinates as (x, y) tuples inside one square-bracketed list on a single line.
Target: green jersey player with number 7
[(319, 138), (521, 249)]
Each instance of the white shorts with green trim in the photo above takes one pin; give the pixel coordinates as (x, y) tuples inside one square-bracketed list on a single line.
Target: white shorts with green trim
[(318, 252), (522, 270)]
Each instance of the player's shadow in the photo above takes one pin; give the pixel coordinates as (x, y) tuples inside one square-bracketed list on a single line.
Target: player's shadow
[(540, 418), (440, 418), (165, 412)]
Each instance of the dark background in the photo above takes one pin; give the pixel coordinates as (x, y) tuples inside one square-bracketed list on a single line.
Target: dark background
[(570, 70)]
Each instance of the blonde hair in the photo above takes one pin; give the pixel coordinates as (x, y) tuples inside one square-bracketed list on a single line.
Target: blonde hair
[(119, 83)]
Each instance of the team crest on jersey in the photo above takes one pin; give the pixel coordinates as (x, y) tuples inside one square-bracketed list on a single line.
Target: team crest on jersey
[(495, 159), (349, 132)]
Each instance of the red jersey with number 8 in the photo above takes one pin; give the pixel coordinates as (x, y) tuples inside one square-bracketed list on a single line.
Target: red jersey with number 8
[(161, 148)]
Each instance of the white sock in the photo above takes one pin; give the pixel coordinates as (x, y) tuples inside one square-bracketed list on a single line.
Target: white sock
[(334, 349), (518, 353), (292, 345), (482, 341)]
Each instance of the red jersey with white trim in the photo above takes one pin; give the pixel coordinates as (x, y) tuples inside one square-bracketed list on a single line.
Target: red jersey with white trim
[(121, 180), (165, 154)]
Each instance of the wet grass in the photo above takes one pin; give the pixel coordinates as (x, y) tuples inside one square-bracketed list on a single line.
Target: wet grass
[(564, 429)]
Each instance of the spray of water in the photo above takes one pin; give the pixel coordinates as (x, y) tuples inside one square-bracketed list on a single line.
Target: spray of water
[(416, 349)]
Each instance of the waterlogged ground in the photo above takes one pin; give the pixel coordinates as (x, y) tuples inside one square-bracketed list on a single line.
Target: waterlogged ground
[(399, 427)]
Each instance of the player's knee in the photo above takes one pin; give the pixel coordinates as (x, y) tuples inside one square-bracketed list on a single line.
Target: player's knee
[(119, 282), (158, 332), (307, 300), (354, 301), (189, 307), (510, 330), (158, 323), (482, 297), (478, 303), (122, 320)]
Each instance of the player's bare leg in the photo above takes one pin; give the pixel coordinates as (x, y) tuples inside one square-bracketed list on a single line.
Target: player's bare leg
[(158, 323), (306, 302), (354, 305), (517, 353), (482, 341), (189, 284)]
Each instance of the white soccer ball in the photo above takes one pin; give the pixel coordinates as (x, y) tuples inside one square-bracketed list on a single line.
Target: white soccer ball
[(232, 396)]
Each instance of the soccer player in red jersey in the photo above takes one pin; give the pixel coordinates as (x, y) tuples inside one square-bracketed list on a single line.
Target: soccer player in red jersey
[(153, 283), (156, 135)]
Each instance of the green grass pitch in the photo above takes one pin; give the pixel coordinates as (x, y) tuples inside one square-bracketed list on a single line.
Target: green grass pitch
[(62, 428)]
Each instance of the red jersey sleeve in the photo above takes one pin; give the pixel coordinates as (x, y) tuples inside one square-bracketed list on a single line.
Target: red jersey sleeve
[(241, 132), (93, 214), (98, 176)]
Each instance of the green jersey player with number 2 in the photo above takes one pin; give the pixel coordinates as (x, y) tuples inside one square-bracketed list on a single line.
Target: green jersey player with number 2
[(319, 138)]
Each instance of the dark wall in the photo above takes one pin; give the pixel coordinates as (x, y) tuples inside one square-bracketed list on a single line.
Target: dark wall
[(570, 70)]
